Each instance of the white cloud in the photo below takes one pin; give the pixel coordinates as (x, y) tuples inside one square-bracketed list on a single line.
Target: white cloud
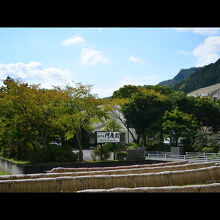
[(92, 57), (184, 52), (73, 40), (34, 73), (206, 31), (201, 31), (136, 60), (208, 51)]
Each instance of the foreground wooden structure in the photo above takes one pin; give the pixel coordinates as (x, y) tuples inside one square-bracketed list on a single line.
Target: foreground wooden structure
[(180, 176)]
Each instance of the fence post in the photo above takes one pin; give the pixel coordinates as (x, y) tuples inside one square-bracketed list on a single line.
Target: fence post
[(165, 156)]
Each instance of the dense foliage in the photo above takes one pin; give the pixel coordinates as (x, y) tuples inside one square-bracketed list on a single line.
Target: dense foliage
[(44, 125), (158, 113), (188, 80), (144, 112), (206, 76), (33, 119), (178, 125), (183, 74)]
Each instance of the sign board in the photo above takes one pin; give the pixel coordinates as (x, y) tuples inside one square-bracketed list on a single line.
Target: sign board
[(107, 137)]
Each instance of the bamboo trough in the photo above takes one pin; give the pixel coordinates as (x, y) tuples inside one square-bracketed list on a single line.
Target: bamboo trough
[(213, 187), (199, 174), (148, 169), (64, 170)]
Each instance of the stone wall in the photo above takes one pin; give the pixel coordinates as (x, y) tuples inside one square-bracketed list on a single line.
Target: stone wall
[(135, 154), (10, 167), (177, 150)]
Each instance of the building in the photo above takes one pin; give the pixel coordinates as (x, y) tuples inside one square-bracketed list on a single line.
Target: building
[(117, 116), (209, 91)]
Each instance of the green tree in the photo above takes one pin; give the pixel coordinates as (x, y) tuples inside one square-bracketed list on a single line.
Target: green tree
[(178, 125), (32, 117), (204, 139), (144, 112), (125, 92), (112, 125), (115, 111), (207, 112), (79, 112), (161, 89), (182, 101), (204, 109), (28, 115)]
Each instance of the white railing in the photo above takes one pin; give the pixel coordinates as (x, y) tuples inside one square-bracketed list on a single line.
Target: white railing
[(203, 156), (191, 156), (183, 157)]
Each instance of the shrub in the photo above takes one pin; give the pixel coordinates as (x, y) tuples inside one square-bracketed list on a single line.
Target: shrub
[(152, 146), (205, 140), (208, 149), (104, 151), (114, 147), (54, 153), (133, 146), (109, 147), (122, 155)]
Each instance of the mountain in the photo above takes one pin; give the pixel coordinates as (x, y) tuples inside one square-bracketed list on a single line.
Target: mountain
[(206, 76), (183, 73)]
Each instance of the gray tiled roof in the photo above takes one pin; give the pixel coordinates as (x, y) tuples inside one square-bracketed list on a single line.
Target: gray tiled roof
[(205, 90)]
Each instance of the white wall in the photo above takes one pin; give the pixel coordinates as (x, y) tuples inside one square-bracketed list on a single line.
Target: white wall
[(99, 126)]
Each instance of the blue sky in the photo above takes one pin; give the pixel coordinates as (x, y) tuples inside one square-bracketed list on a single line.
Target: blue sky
[(106, 58)]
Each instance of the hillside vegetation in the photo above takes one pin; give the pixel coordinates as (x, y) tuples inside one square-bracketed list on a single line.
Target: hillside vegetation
[(183, 73), (188, 80), (206, 76)]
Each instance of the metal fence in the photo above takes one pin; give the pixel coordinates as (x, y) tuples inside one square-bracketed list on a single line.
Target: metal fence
[(191, 156), (203, 156)]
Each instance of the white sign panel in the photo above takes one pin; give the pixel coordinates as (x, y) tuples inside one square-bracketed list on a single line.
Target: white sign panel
[(108, 137)]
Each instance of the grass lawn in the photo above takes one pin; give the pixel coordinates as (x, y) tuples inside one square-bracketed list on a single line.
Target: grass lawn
[(16, 161), (3, 172)]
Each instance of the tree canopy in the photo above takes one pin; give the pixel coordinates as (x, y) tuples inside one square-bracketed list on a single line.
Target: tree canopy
[(32, 118), (178, 125), (144, 111)]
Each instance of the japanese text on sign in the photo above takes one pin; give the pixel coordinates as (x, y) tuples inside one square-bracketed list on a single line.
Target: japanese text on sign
[(108, 137)]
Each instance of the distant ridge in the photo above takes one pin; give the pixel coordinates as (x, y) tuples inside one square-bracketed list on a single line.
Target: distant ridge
[(206, 76), (183, 73), (188, 80)]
